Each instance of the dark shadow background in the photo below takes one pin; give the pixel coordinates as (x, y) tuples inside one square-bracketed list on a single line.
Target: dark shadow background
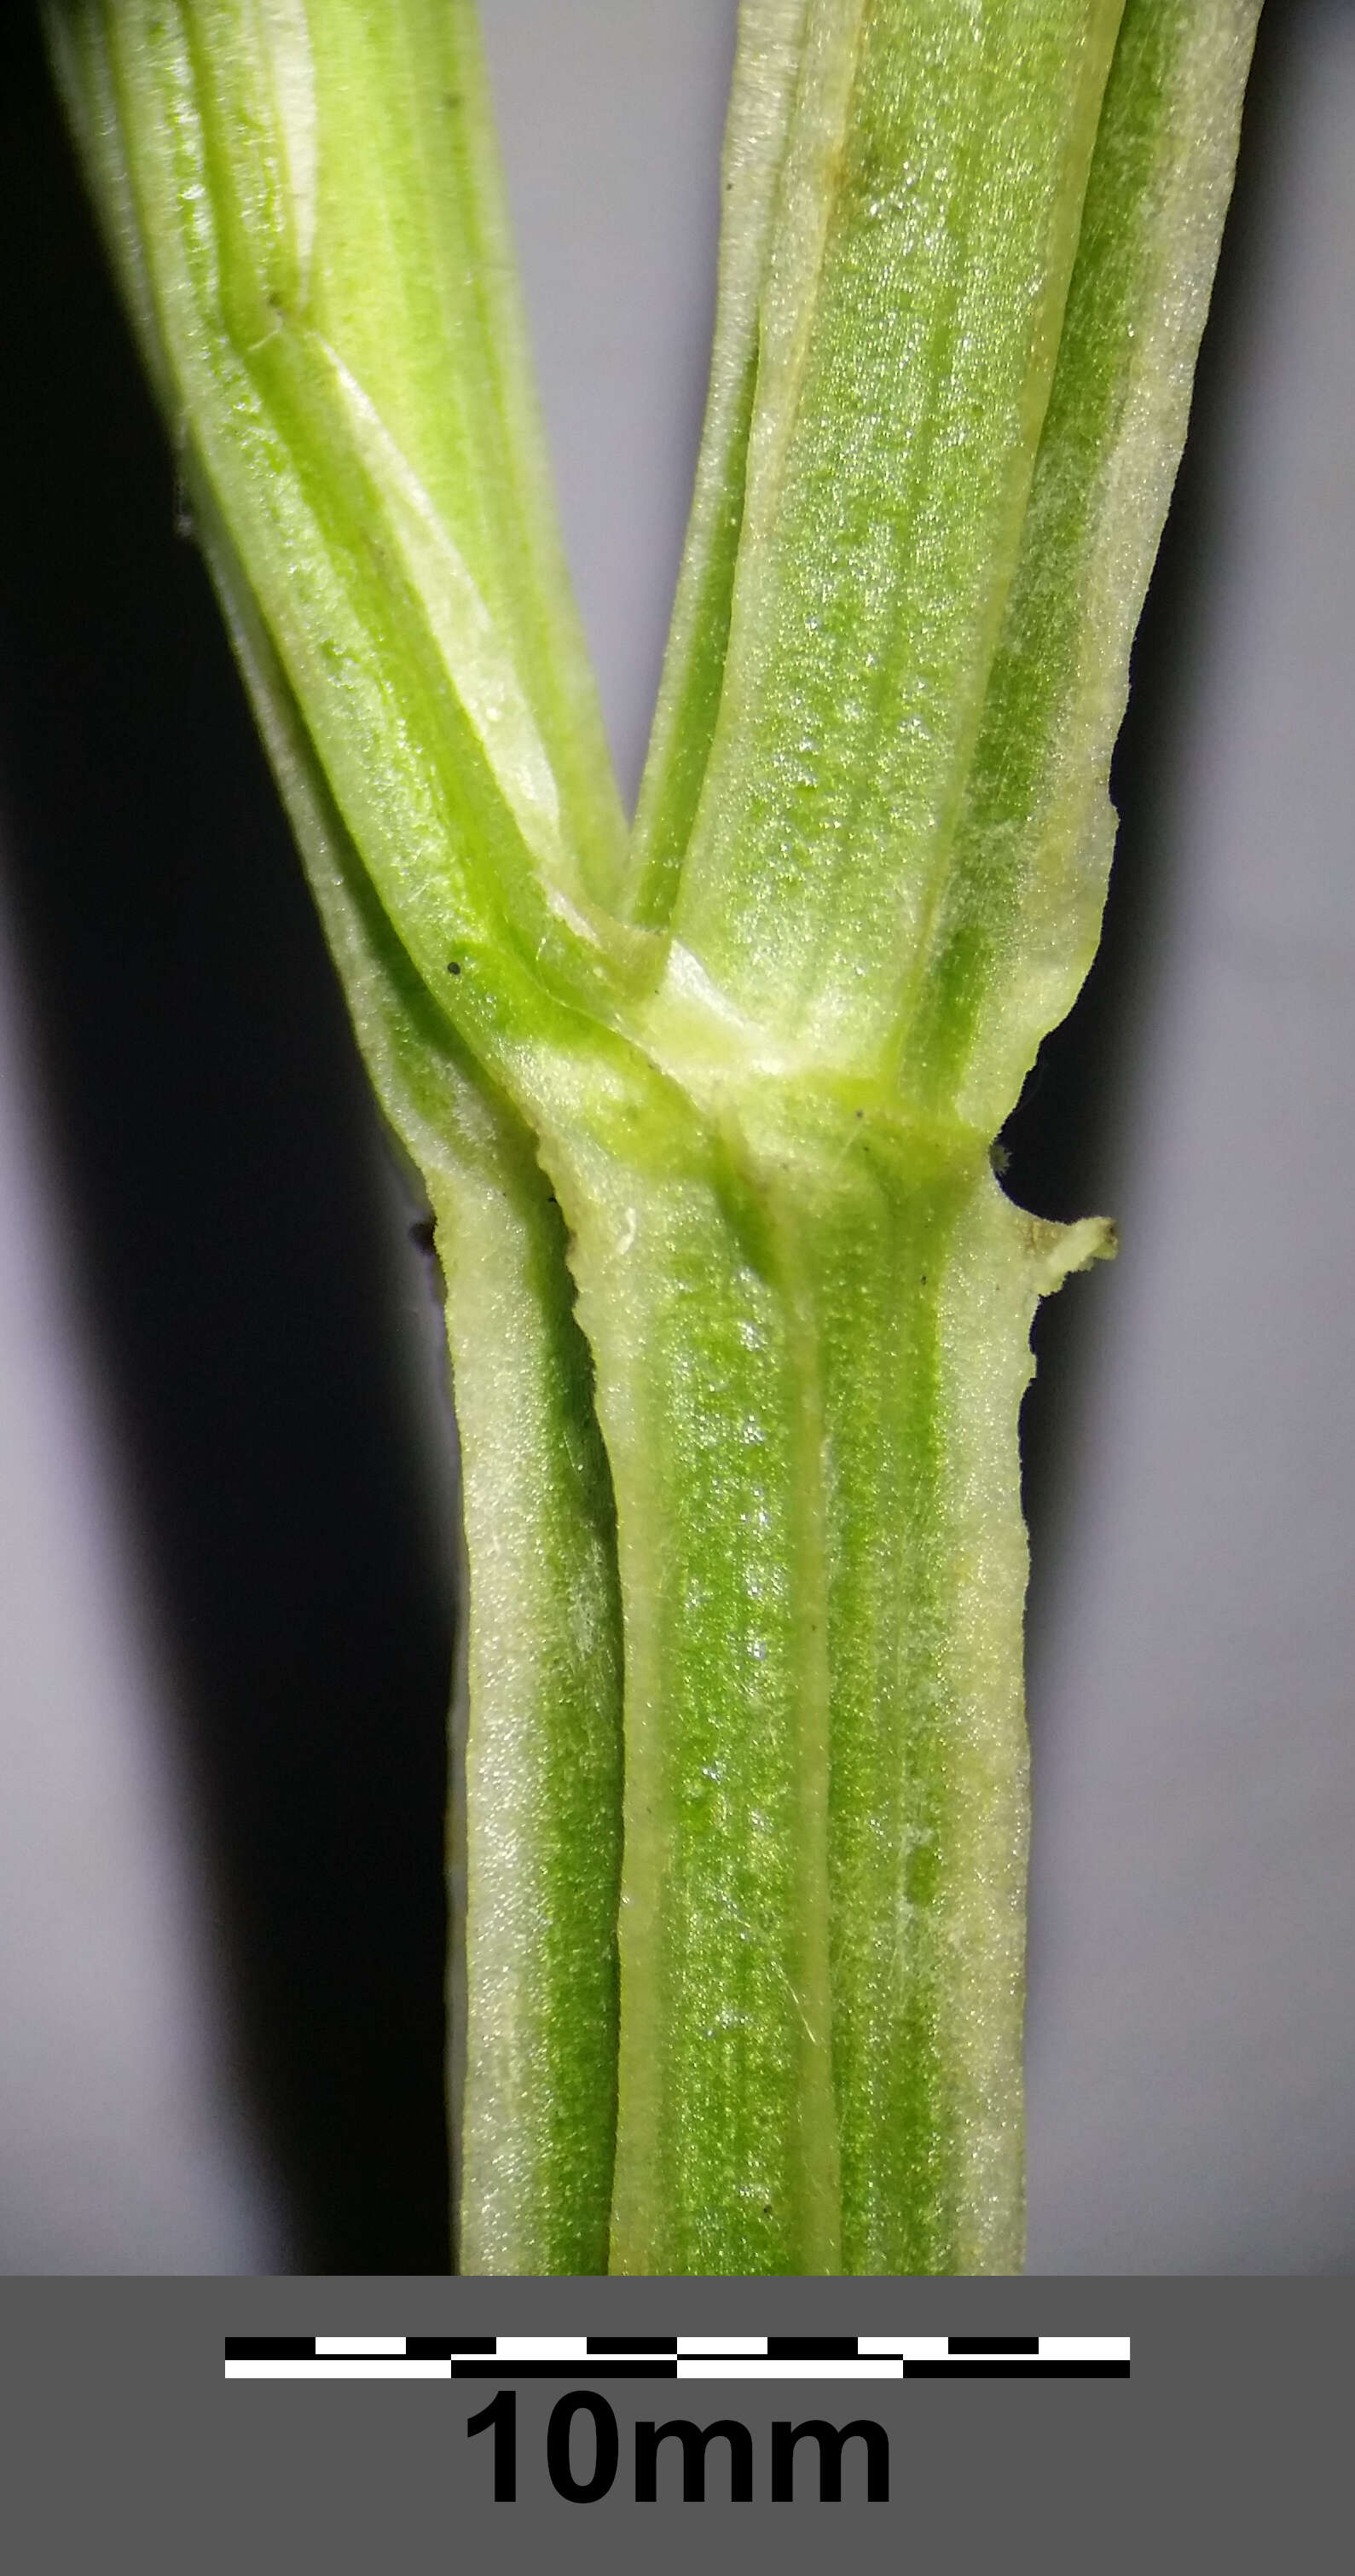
[(241, 1244)]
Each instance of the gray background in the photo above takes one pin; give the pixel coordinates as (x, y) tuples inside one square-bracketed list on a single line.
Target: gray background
[(1225, 2449), (1192, 2082)]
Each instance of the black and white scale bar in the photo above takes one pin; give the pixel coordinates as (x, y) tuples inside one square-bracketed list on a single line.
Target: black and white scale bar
[(863, 2357)]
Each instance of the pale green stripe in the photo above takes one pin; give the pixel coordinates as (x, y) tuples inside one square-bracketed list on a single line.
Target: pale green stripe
[(726, 2145), (927, 223), (1021, 912), (766, 69)]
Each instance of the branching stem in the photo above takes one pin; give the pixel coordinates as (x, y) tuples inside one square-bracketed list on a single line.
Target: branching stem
[(738, 1314)]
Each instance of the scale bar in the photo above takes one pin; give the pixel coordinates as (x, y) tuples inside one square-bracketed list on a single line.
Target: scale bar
[(324, 2358)]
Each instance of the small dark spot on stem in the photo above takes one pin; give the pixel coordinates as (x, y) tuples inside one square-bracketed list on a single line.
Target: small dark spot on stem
[(453, 965)]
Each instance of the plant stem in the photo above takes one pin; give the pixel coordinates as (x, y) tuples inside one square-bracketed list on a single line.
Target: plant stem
[(735, 1088), (543, 1752), (533, 2007), (811, 1346)]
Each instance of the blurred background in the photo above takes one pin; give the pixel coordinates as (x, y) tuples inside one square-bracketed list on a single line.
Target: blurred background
[(226, 1490)]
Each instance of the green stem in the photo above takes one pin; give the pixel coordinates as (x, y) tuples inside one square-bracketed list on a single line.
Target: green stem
[(543, 1784), (727, 2155), (538, 1832), (927, 1286), (811, 1346), (761, 1057)]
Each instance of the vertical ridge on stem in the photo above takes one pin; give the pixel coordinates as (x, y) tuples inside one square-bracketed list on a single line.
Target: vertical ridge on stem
[(726, 2136)]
